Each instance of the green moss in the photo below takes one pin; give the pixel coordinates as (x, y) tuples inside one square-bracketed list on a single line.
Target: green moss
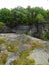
[(48, 59), (13, 63), (3, 41), (26, 61), (3, 57), (12, 48), (31, 60), (37, 44)]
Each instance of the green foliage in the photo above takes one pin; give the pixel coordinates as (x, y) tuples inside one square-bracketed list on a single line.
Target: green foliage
[(40, 18), (23, 16), (27, 32), (46, 34)]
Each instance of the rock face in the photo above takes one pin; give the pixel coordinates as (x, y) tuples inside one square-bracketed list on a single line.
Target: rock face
[(12, 57), (40, 55)]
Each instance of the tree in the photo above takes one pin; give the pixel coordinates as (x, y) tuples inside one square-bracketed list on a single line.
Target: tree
[(2, 25), (4, 15), (46, 34), (39, 24)]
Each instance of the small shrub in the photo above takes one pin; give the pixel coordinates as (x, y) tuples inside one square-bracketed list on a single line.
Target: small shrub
[(27, 32)]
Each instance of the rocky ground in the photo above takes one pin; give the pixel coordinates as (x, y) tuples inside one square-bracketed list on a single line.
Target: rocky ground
[(40, 55)]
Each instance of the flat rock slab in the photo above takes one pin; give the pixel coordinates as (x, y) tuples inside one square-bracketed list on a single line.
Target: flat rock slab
[(40, 56)]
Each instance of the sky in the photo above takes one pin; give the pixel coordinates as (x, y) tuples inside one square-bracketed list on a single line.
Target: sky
[(24, 3)]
